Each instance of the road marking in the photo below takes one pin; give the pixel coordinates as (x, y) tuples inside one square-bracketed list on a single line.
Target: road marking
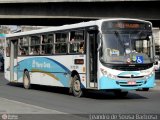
[(47, 111), (7, 104)]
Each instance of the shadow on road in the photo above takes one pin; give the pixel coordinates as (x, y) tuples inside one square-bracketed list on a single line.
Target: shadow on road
[(42, 88), (92, 94), (102, 95)]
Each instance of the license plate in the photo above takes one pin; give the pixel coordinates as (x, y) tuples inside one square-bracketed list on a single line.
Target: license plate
[(131, 82)]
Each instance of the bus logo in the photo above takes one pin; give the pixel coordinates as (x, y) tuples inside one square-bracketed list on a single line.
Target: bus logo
[(36, 64)]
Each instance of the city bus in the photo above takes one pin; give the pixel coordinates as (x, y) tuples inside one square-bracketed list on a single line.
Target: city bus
[(104, 55)]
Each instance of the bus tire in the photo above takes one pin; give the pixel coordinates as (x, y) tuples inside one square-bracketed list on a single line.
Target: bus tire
[(26, 80), (119, 93), (76, 87)]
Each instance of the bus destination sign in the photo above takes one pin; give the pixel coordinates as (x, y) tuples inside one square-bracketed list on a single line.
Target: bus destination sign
[(127, 25)]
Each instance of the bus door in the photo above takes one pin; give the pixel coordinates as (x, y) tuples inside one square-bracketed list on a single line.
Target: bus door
[(92, 58), (13, 60)]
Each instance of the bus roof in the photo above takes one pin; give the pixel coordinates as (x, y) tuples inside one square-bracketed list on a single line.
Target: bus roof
[(70, 26)]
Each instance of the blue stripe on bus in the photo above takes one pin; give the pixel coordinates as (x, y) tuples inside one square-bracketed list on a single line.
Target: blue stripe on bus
[(46, 65)]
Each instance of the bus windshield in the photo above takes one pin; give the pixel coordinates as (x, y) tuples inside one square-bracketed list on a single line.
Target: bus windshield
[(122, 47)]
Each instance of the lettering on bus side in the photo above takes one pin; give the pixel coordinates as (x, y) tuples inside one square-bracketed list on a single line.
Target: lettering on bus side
[(40, 65)]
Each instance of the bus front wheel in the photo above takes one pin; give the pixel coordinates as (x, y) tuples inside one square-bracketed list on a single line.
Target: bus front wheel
[(26, 80), (76, 87)]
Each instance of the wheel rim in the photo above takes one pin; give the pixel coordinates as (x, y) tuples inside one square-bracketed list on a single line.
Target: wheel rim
[(26, 81), (76, 86)]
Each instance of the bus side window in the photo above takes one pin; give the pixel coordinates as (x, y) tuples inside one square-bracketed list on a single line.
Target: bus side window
[(61, 42), (81, 47), (73, 47), (47, 44), (77, 41), (23, 46), (61, 48)]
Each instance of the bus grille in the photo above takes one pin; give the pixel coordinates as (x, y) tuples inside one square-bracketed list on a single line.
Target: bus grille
[(130, 76)]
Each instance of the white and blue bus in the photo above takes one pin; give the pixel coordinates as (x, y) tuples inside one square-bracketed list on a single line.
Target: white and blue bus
[(108, 54)]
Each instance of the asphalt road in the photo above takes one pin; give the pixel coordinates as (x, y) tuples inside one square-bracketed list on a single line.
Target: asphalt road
[(58, 99)]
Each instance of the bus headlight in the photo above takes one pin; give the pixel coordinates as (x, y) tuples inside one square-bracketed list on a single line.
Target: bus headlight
[(149, 75), (111, 76), (105, 73), (145, 72)]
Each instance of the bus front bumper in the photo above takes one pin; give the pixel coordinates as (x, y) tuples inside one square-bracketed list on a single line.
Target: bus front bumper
[(108, 83)]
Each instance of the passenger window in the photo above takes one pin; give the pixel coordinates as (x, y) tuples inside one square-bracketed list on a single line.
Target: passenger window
[(60, 48), (23, 48), (77, 41), (61, 43), (47, 44), (35, 45)]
